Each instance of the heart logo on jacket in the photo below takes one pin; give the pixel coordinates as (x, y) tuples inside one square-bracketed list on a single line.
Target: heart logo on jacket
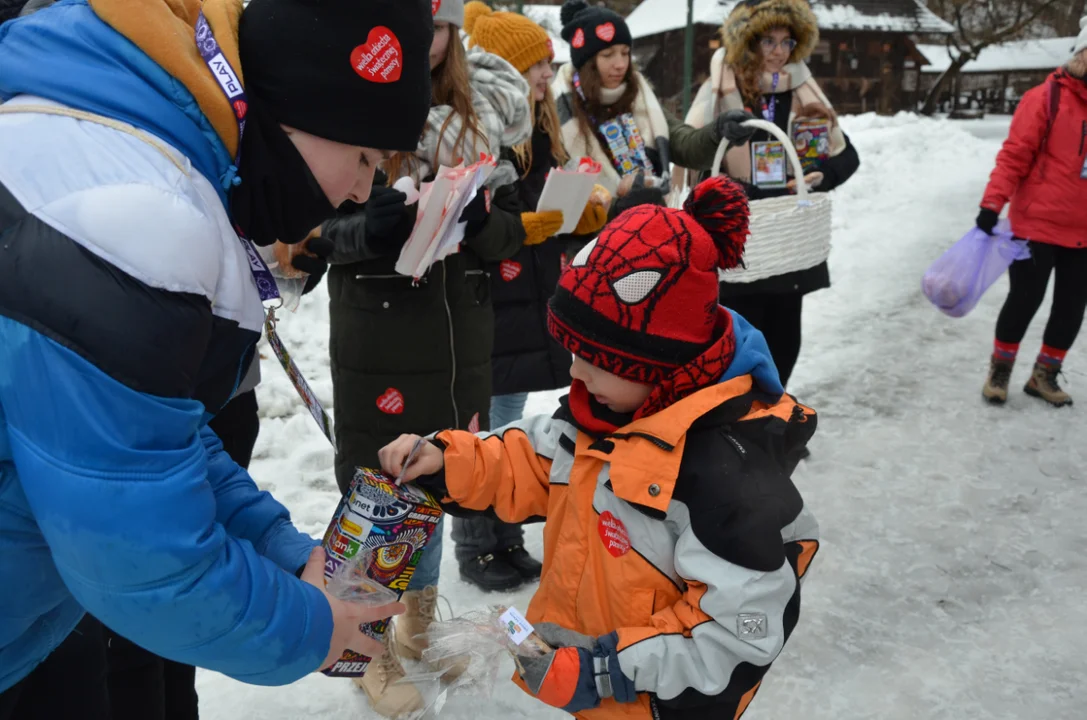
[(606, 32), (380, 60), (614, 534), (579, 39), (391, 403), (509, 270)]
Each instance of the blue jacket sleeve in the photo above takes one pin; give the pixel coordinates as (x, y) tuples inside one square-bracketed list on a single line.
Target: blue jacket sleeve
[(119, 484), (251, 514)]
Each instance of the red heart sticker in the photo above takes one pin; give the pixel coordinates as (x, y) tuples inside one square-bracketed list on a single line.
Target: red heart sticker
[(579, 39), (435, 6), (614, 534), (473, 425), (509, 270), (380, 59), (391, 403), (606, 32)]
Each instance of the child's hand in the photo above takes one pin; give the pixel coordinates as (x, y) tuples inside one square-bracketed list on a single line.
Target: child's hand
[(428, 461), (566, 678), (812, 180), (346, 617)]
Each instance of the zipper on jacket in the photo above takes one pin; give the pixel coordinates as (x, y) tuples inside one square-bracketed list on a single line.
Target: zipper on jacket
[(662, 444), (452, 347)]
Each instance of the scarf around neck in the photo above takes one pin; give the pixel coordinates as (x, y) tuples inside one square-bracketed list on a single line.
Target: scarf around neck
[(703, 371)]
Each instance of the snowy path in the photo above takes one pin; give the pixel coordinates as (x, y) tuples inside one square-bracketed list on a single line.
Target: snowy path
[(951, 578)]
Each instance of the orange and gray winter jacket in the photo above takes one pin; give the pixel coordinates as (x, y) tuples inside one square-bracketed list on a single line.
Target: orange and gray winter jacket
[(682, 532)]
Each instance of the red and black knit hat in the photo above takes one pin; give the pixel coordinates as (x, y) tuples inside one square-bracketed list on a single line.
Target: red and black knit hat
[(641, 299)]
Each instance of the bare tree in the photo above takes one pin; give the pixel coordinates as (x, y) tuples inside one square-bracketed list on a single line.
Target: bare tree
[(979, 24)]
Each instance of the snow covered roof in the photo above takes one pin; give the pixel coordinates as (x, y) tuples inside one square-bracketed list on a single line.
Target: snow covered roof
[(908, 16), (1021, 55)]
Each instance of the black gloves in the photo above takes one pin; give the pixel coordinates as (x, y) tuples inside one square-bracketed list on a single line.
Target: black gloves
[(388, 222), (728, 126), (987, 220), (315, 266), (475, 214)]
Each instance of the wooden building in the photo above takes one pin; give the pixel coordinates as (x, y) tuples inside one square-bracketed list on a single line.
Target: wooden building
[(866, 60)]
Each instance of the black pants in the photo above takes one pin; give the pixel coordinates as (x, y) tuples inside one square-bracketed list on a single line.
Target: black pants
[(777, 316), (70, 683), (1029, 280), (479, 536)]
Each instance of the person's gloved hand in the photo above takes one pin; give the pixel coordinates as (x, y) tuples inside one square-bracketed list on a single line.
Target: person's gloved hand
[(595, 214), (987, 220), (385, 226), (475, 214), (539, 226), (729, 126), (313, 260), (580, 673)]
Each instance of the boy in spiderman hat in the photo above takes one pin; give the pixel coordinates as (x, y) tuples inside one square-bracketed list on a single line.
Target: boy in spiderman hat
[(675, 538)]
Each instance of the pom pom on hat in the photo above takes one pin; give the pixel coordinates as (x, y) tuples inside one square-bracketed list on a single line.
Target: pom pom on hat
[(570, 8), (719, 205), (472, 12)]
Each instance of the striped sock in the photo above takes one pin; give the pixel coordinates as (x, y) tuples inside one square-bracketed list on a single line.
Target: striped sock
[(1051, 356), (1005, 351)]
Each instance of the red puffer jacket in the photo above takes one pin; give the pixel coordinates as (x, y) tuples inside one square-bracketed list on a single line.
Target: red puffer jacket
[(1042, 174)]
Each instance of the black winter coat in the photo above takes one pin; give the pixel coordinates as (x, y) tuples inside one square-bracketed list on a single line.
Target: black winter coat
[(525, 357), (836, 170), (411, 357)]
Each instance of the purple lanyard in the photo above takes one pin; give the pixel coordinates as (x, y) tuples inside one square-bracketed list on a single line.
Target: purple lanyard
[(770, 109), (235, 94)]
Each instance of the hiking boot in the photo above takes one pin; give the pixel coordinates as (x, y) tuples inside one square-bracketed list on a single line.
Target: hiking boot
[(412, 627), (388, 696), (490, 573), (528, 567), (1043, 384), (996, 386)]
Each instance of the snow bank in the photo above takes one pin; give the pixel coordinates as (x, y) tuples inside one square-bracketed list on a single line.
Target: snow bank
[(950, 581)]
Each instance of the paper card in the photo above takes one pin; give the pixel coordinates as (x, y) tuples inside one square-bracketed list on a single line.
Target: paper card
[(516, 626), (569, 191), (437, 233), (812, 141), (768, 164)]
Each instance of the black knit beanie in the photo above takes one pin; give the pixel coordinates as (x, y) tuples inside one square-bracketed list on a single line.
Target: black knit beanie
[(353, 71), (590, 30)]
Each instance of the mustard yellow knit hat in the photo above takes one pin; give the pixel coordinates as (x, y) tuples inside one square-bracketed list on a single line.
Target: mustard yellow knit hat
[(514, 38)]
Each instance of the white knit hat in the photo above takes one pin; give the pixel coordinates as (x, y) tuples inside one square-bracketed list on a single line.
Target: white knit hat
[(450, 11), (1081, 41)]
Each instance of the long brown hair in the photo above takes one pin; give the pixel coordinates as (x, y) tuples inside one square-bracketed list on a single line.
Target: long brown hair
[(546, 118), (591, 108), (450, 86)]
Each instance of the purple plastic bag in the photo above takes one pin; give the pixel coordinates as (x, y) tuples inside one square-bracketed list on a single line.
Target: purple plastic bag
[(958, 279)]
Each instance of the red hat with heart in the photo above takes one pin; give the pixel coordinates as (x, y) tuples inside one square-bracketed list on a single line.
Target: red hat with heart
[(640, 301)]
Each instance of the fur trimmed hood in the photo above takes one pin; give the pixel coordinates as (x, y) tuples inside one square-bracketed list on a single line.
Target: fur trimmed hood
[(753, 18)]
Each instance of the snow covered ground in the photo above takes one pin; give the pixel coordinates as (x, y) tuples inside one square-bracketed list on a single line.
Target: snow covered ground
[(951, 579)]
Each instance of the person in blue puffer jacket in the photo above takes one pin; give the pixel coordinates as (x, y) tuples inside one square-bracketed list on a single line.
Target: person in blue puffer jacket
[(129, 310)]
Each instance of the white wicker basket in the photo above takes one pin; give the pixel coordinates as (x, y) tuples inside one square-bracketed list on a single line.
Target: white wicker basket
[(788, 233)]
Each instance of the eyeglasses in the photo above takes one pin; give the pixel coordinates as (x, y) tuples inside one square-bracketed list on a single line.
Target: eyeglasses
[(769, 44)]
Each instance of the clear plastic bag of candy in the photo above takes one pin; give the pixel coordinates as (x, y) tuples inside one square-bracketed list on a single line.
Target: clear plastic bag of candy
[(350, 583), (477, 644)]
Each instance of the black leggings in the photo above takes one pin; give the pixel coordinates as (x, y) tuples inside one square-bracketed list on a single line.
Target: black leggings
[(777, 316), (1029, 280)]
